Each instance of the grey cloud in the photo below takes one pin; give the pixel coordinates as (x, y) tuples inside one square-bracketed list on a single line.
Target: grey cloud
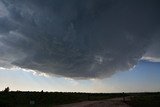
[(153, 52), (77, 38)]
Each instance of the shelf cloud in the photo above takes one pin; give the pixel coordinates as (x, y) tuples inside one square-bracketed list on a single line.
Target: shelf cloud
[(78, 38)]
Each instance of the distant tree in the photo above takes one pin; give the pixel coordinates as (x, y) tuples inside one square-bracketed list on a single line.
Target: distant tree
[(18, 91), (6, 89)]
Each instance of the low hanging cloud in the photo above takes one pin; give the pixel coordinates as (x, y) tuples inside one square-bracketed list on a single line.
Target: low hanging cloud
[(153, 52), (78, 38)]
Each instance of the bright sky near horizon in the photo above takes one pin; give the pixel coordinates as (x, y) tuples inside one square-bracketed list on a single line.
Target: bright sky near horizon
[(143, 78), (80, 45)]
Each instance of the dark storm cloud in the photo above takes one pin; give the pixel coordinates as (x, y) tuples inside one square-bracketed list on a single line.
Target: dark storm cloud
[(77, 38)]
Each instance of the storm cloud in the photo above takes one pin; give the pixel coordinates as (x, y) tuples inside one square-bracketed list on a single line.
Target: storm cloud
[(78, 38)]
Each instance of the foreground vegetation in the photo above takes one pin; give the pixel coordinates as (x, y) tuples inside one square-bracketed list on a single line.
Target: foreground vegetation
[(45, 99), (145, 100), (49, 99)]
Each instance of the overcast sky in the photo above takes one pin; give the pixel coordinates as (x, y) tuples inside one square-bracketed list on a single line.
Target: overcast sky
[(80, 42)]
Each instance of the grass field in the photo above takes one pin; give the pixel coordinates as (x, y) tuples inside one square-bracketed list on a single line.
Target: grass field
[(145, 100), (45, 99), (48, 99)]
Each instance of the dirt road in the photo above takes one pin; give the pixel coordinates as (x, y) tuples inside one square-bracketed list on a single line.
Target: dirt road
[(116, 102)]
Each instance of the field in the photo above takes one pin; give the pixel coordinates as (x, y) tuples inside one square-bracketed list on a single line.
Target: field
[(145, 100), (51, 99)]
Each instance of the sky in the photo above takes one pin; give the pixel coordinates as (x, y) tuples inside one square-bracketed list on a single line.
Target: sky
[(80, 45)]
